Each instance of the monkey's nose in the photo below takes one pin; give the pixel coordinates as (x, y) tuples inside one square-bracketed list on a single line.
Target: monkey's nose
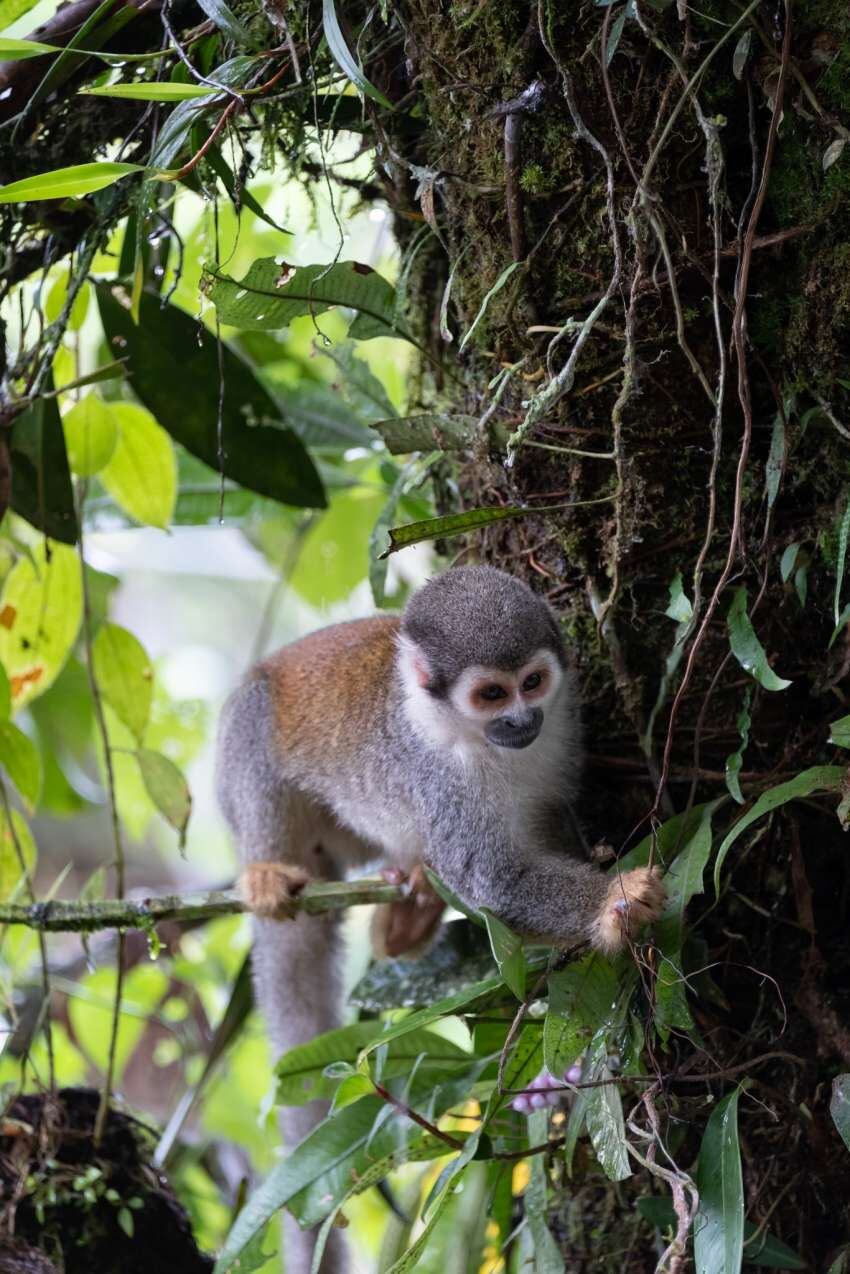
[(515, 729)]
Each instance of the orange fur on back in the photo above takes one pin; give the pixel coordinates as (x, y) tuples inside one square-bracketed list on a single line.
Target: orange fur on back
[(327, 686)]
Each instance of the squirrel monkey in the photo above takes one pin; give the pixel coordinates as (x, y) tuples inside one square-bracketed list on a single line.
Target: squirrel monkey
[(449, 735)]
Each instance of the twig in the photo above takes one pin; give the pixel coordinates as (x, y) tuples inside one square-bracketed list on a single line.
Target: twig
[(142, 913)]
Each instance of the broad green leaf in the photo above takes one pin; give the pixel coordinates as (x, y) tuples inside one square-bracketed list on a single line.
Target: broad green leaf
[(719, 1224), (167, 788), (169, 351), (547, 1258), (90, 1011), (300, 1072), (41, 606), (16, 842), (821, 778), (342, 56), (843, 534), (679, 606), (452, 524), (64, 183), (270, 296), (124, 676), (765, 1251), (839, 1106), (334, 555), (141, 475), (21, 760), (41, 484), (91, 434), (746, 646), (839, 732), (426, 432), (682, 881), (736, 759), (496, 288), (580, 1000), (15, 50), (154, 91), (507, 952)]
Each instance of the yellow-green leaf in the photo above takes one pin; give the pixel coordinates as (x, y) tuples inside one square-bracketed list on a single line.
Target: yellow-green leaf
[(155, 91), (16, 842), (21, 760), (142, 474), (5, 695), (167, 788), (16, 50), (64, 183), (56, 299), (90, 1011), (91, 434), (124, 676), (41, 606)]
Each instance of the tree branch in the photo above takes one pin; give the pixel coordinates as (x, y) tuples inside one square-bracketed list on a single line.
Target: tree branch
[(85, 917)]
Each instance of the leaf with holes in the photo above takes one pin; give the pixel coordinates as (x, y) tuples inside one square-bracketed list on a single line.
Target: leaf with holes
[(270, 296)]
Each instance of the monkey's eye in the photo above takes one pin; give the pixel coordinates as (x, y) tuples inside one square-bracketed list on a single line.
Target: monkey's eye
[(493, 692), (532, 681)]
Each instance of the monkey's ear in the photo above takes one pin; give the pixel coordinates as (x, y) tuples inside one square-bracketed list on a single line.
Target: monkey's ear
[(413, 662)]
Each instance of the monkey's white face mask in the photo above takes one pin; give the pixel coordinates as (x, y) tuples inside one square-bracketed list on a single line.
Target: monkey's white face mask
[(487, 707)]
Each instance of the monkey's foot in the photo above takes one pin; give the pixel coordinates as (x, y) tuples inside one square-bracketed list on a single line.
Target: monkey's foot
[(405, 927), (634, 899), (268, 889)]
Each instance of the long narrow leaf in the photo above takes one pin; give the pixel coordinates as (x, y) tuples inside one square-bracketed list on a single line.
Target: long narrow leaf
[(343, 58), (719, 1227), (64, 183)]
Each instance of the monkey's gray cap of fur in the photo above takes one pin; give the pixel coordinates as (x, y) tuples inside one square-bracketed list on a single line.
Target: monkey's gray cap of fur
[(478, 615)]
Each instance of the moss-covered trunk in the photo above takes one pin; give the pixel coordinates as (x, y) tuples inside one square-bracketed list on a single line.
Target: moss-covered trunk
[(672, 357)]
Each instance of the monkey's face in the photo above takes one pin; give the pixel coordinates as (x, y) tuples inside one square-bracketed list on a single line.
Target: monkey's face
[(507, 708)]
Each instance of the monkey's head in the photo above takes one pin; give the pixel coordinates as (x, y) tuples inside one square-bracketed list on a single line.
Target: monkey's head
[(481, 658)]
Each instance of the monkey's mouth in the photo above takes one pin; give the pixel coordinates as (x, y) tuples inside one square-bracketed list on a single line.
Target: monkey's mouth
[(516, 731)]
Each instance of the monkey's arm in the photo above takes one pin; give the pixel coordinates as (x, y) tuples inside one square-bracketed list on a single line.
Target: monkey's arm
[(539, 893)]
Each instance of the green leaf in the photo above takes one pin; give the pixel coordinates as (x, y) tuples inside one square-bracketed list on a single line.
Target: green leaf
[(820, 778), (124, 676), (16, 842), (5, 696), (679, 607), (682, 881), (428, 431), (21, 760), (746, 646), (270, 296), (154, 91), (452, 524), (604, 1120), (839, 732), (141, 475), (580, 999), (90, 1010), (41, 480), (719, 1224), (169, 350), (343, 58), (41, 606), (91, 434), (843, 534), (226, 20), (167, 788), (300, 1072), (507, 952), (62, 183), (736, 759), (765, 1251), (786, 564), (410, 1258), (15, 50), (497, 287), (775, 461), (839, 1106), (547, 1258), (11, 10), (441, 1008)]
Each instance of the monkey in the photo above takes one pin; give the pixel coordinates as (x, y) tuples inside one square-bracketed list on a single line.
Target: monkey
[(449, 736)]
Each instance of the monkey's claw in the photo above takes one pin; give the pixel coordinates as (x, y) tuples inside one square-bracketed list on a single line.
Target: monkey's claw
[(268, 889), (406, 927), (634, 899)]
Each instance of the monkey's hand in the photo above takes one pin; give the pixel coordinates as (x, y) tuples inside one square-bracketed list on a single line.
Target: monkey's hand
[(268, 889), (634, 899), (405, 927)]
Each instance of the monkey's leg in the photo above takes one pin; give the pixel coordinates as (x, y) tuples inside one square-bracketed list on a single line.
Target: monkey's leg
[(406, 927)]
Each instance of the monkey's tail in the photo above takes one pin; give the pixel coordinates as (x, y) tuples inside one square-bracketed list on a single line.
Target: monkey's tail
[(297, 986)]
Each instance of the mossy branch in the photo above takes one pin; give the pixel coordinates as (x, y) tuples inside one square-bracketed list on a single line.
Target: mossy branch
[(86, 917)]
